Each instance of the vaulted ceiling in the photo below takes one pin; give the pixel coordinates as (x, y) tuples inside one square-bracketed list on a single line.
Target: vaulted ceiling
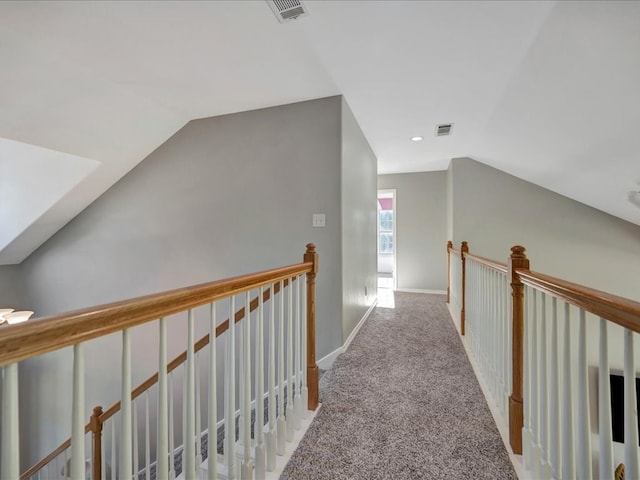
[(546, 91)]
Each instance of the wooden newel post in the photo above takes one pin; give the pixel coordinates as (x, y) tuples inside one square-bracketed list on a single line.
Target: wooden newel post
[(95, 423), (464, 248), (449, 247), (312, 369), (518, 259)]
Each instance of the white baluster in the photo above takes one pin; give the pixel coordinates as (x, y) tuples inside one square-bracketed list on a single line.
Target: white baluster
[(632, 470), (212, 435), (554, 398), (172, 471), (162, 442), (103, 458), (241, 391), (495, 338), (77, 414), (230, 397), (290, 414), (568, 452), (66, 458), (271, 433), (481, 327), (10, 455), (508, 319), (189, 456), (506, 346), (303, 322), (260, 460), (545, 468), (584, 431), (125, 411), (535, 387), (605, 439), (198, 415), (497, 341), (297, 404), (147, 439), (282, 423), (527, 452), (247, 464), (136, 468), (485, 320), (113, 451)]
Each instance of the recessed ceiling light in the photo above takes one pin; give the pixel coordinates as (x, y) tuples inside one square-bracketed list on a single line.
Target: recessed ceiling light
[(416, 138)]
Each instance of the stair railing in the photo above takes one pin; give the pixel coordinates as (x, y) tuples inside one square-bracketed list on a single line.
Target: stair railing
[(555, 348), (294, 319)]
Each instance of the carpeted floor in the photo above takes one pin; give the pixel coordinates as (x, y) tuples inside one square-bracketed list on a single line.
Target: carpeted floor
[(402, 403)]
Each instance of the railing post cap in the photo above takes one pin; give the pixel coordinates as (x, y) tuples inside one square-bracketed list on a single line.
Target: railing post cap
[(311, 248), (518, 251), (97, 411), (464, 247), (449, 244)]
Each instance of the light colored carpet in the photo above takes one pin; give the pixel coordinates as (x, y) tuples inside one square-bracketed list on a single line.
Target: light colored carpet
[(402, 403)]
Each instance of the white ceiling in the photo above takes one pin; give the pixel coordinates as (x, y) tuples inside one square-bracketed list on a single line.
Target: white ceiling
[(547, 91)]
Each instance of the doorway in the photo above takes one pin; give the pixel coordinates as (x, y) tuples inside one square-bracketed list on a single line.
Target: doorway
[(387, 239)]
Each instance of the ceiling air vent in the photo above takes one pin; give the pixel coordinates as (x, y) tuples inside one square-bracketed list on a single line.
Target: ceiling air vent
[(444, 129), (288, 10)]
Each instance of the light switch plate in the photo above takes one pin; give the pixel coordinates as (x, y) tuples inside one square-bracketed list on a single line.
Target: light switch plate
[(319, 220)]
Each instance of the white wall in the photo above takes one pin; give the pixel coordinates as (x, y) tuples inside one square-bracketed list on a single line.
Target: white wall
[(10, 288), (359, 217), (421, 223), (224, 196), (564, 238)]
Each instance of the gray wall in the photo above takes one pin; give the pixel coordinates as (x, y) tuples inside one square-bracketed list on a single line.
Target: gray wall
[(421, 223), (564, 238), (10, 287), (359, 192), (224, 196)]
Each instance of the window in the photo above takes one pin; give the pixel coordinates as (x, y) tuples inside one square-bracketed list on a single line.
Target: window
[(385, 240)]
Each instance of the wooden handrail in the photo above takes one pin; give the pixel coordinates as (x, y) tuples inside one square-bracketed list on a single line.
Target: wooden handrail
[(103, 416), (42, 463), (22, 341), (199, 345), (500, 267), (619, 310)]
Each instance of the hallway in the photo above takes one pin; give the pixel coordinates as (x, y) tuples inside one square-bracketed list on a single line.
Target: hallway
[(402, 403)]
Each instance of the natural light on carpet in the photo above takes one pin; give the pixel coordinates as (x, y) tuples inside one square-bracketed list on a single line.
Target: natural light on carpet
[(385, 298)]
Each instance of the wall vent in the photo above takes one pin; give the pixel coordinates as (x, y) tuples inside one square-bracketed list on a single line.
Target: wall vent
[(288, 10), (443, 129)]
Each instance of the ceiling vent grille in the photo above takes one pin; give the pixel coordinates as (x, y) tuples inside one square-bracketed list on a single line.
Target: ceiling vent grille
[(288, 10), (444, 129)]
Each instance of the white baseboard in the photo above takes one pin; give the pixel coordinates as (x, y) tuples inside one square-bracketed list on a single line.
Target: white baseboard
[(455, 316), (501, 423), (326, 362), (419, 290), (359, 325)]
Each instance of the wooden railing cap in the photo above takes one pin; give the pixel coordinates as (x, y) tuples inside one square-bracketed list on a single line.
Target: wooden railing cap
[(464, 247), (518, 251)]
